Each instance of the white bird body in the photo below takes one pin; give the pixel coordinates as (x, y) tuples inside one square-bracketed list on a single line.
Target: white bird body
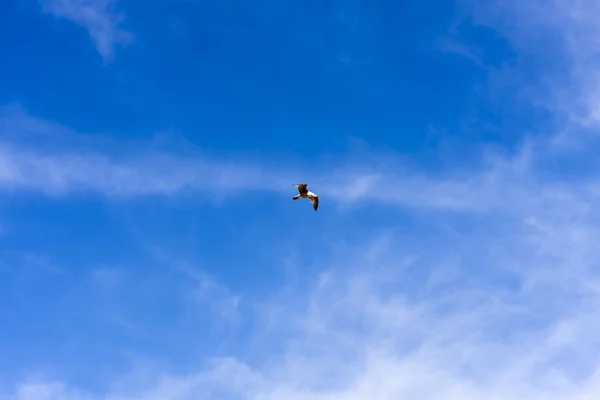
[(304, 193)]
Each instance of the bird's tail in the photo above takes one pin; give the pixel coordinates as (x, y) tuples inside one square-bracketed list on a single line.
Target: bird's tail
[(296, 197)]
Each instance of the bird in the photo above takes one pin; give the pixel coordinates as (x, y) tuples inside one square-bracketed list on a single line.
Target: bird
[(304, 193)]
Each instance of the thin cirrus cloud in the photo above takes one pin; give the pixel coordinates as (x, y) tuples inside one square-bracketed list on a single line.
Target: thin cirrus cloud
[(562, 35), (75, 166), (98, 17), (63, 174), (70, 163), (362, 332), (505, 309), (505, 312)]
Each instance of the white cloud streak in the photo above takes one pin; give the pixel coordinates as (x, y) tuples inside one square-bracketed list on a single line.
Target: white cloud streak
[(60, 174), (506, 311), (562, 37), (42, 156), (145, 170), (98, 17)]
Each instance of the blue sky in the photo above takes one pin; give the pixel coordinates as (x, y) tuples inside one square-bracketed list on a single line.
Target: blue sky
[(150, 249)]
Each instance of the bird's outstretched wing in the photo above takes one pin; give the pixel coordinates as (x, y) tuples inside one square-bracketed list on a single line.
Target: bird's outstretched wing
[(315, 202), (301, 187)]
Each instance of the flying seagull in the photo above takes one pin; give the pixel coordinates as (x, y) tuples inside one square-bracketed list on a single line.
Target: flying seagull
[(304, 193)]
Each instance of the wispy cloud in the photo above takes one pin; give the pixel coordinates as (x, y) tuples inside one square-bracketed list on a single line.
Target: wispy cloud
[(98, 17), (369, 328), (63, 170), (450, 44), (78, 166), (208, 292), (502, 311), (43, 156), (562, 39), (70, 172), (503, 307)]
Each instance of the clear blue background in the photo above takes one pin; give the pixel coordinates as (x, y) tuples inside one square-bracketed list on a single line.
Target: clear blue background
[(93, 284)]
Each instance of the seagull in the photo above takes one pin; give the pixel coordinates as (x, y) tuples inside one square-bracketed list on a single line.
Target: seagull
[(304, 193)]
